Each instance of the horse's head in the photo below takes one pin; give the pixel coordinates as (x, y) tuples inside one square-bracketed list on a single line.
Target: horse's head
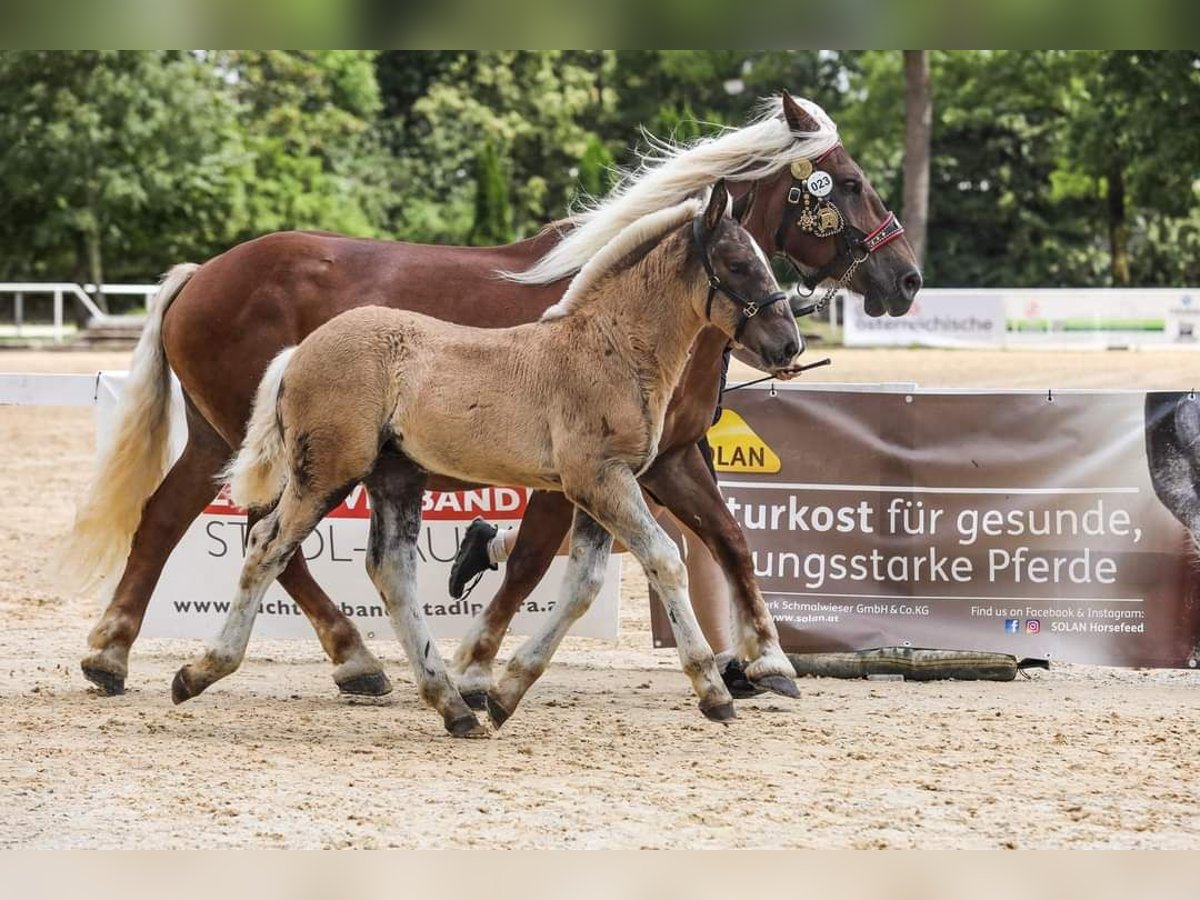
[(825, 217), (743, 297)]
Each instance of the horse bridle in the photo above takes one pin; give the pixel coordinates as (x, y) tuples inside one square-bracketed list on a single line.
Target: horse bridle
[(747, 308), (809, 208)]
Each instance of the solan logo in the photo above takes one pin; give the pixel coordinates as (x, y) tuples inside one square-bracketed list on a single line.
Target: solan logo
[(736, 448)]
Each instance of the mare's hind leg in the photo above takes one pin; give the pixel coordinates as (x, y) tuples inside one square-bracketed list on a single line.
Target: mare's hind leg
[(590, 546), (396, 487), (681, 480), (183, 494), (272, 542), (614, 499), (547, 518)]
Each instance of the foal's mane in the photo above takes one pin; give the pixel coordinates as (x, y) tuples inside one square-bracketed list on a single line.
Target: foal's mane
[(669, 173), (649, 229)]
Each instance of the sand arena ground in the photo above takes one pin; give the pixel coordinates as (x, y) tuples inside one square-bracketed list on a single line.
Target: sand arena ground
[(607, 751)]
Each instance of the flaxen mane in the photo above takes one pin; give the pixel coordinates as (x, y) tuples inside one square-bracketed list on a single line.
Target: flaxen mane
[(648, 228), (670, 173)]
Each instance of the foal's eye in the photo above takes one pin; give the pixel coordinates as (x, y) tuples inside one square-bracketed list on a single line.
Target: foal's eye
[(738, 268), (852, 185)]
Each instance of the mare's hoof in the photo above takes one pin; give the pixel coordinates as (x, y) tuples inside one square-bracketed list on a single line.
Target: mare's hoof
[(497, 713), (477, 700), (371, 684), (722, 712), (181, 690), (466, 726), (779, 684), (110, 685)]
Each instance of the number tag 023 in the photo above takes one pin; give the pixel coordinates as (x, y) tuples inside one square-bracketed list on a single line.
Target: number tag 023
[(819, 183)]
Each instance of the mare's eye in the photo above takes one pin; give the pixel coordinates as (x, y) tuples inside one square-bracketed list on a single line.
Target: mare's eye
[(852, 185)]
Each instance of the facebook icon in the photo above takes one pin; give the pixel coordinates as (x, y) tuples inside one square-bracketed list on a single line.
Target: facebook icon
[(1012, 626)]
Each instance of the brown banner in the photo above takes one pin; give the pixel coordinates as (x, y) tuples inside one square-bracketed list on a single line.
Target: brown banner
[(1028, 524)]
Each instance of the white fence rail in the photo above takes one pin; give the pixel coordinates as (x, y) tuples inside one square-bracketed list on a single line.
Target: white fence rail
[(61, 291)]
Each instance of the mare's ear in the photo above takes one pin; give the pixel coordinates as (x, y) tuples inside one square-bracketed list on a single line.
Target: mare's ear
[(718, 205), (741, 206), (797, 118)]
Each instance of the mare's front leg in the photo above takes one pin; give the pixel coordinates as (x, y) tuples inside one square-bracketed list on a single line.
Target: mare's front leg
[(590, 547), (614, 499), (395, 487), (682, 482), (545, 524), (272, 542)]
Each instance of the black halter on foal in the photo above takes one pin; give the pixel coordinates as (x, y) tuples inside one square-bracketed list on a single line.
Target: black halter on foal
[(747, 307), (815, 214)]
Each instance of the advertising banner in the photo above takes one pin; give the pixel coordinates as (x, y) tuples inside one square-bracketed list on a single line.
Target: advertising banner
[(1051, 526), (958, 319), (1034, 318), (199, 579)]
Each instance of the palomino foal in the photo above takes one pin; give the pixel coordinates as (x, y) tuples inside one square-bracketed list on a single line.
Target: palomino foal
[(573, 403)]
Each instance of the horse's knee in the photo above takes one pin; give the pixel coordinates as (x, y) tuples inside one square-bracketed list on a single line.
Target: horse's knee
[(665, 566)]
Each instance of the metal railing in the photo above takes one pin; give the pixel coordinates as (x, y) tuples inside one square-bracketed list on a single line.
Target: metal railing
[(60, 290)]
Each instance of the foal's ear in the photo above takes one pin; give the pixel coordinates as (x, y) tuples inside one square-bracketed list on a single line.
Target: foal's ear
[(741, 206), (718, 205), (797, 117)]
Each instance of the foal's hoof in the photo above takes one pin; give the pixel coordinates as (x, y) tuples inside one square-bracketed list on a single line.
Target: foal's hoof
[(370, 684), (497, 713), (466, 726), (182, 690), (779, 684), (477, 700), (722, 712), (110, 685)]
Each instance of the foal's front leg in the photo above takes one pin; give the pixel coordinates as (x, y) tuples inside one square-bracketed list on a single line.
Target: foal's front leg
[(614, 499), (395, 488), (590, 547), (681, 481)]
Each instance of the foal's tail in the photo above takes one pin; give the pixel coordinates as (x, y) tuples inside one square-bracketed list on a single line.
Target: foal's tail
[(133, 460), (258, 473)]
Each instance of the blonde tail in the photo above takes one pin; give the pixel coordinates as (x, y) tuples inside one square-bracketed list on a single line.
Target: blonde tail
[(134, 460), (257, 474)]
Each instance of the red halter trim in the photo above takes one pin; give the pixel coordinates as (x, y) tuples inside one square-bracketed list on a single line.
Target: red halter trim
[(888, 231), (821, 158)]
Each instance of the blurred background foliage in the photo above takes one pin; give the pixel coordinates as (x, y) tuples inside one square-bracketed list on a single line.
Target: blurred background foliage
[(1049, 168)]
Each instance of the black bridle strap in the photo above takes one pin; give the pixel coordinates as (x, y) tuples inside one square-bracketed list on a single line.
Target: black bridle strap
[(746, 307)]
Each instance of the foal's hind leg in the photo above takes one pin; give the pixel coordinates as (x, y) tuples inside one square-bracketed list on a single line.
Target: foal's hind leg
[(590, 546), (396, 487), (547, 518), (681, 480), (614, 499), (186, 490), (272, 542)]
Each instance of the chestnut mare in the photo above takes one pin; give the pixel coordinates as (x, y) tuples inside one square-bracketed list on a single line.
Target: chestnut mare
[(217, 326)]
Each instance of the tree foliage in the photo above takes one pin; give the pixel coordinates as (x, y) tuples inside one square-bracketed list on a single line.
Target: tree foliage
[(1047, 167)]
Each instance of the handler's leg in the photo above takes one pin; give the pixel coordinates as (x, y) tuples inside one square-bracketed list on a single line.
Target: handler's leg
[(590, 546), (547, 518), (681, 481)]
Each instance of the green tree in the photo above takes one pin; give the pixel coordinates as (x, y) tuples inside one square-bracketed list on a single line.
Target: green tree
[(543, 107), (493, 213), (113, 164), (309, 123)]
